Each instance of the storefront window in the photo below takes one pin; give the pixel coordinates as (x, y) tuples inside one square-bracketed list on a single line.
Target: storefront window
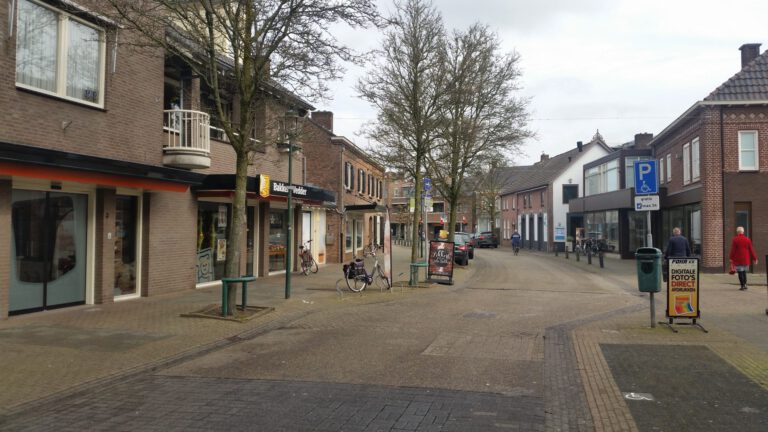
[(688, 219), (212, 232), (637, 230), (278, 233), (604, 226), (358, 234), (348, 237)]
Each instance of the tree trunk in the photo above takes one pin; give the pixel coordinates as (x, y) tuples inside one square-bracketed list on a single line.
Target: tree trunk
[(416, 240), (237, 228)]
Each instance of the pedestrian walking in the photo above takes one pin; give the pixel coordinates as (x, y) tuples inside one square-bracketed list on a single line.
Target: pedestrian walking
[(677, 246), (516, 241), (742, 253)]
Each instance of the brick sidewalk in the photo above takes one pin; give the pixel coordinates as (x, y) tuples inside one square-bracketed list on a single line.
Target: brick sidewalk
[(49, 353)]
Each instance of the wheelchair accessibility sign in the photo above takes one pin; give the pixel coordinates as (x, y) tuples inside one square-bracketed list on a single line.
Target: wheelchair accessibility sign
[(646, 180)]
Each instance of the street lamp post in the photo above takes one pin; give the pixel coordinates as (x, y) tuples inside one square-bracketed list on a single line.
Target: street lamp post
[(291, 130)]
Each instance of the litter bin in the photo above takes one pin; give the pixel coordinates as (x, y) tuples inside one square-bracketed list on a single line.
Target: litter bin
[(648, 269)]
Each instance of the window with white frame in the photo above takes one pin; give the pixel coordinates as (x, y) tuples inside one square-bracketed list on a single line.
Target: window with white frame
[(686, 163), (695, 161), (748, 160), (602, 178), (59, 54), (370, 185), (669, 168), (349, 173), (629, 170), (360, 181), (662, 173)]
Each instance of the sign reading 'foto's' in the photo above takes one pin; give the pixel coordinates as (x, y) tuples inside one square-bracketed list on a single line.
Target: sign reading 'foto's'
[(683, 288)]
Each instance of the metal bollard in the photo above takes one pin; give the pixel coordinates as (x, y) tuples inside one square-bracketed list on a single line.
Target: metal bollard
[(600, 256), (556, 250), (566, 253), (578, 255), (589, 256)]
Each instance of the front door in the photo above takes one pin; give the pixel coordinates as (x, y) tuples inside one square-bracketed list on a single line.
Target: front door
[(48, 250)]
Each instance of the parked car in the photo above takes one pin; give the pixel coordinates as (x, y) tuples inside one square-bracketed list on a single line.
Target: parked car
[(470, 241), (461, 250), (487, 239)]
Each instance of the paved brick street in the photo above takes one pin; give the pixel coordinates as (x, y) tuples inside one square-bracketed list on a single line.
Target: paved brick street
[(509, 347)]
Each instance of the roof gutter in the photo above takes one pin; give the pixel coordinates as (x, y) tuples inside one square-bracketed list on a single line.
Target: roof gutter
[(684, 116)]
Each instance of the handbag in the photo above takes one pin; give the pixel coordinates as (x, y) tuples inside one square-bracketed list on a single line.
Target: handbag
[(732, 270)]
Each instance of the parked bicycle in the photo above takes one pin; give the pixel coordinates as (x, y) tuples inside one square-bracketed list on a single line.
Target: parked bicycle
[(308, 263), (358, 278), (372, 248)]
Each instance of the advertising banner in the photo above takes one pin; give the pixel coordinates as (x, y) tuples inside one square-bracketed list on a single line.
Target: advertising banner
[(440, 260), (683, 288)]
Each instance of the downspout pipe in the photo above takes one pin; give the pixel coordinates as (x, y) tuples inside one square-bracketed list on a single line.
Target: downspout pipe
[(722, 181)]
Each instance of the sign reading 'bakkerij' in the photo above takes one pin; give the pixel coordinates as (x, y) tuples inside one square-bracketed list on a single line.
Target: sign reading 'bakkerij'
[(683, 288)]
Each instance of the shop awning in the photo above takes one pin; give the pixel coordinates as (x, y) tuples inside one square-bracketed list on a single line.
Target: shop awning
[(366, 208), (34, 162), (216, 184)]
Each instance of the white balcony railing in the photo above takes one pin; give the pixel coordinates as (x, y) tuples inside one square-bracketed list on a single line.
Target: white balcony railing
[(188, 139), (188, 130)]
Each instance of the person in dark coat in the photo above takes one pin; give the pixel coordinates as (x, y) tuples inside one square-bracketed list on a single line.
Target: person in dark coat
[(678, 245), (742, 253)]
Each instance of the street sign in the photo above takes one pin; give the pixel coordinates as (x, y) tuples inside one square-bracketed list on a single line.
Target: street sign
[(647, 203), (428, 204), (427, 184), (646, 181)]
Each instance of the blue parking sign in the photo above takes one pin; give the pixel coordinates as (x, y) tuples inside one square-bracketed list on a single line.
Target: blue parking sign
[(646, 181)]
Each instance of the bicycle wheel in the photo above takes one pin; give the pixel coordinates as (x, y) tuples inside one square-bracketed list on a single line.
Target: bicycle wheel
[(380, 280), (355, 283), (313, 265), (304, 265)]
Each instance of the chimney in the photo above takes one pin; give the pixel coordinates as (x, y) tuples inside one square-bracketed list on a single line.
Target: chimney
[(324, 119), (643, 139), (544, 157), (579, 146), (749, 52)]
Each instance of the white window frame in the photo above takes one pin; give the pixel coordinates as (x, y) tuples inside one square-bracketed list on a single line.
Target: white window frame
[(662, 173), (686, 163), (669, 168), (349, 175), (695, 160), (62, 45), (757, 160), (360, 181)]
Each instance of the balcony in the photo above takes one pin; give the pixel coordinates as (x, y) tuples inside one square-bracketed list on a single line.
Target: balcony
[(188, 139)]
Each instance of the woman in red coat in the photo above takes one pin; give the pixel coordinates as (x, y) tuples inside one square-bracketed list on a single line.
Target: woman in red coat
[(742, 253)]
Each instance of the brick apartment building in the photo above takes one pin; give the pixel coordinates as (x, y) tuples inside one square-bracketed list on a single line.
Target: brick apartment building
[(114, 179), (713, 165), (335, 163)]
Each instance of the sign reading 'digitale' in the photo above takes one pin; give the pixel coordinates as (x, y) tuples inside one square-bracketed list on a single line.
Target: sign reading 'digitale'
[(683, 288)]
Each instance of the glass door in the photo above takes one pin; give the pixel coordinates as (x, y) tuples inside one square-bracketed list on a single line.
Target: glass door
[(48, 250), (126, 217)]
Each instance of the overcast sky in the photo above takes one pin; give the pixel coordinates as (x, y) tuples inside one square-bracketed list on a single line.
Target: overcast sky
[(620, 67)]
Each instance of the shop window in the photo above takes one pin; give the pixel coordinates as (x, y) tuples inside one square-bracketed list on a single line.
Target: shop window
[(278, 233), (348, 236), (212, 232)]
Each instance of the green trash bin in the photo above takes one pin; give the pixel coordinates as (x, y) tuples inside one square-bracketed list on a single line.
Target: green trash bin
[(648, 269)]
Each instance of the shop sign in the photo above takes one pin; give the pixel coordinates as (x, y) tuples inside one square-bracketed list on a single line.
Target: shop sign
[(559, 234), (264, 186), (683, 288), (282, 189)]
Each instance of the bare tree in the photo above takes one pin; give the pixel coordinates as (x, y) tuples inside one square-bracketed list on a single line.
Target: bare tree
[(488, 187), (405, 86), (481, 117), (244, 50)]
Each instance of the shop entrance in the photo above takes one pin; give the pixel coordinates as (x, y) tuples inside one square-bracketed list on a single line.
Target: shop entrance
[(48, 250)]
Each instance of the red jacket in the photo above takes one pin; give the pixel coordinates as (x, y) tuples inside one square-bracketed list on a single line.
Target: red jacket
[(742, 252)]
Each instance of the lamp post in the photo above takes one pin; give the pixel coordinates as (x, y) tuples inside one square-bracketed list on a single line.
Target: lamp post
[(291, 125)]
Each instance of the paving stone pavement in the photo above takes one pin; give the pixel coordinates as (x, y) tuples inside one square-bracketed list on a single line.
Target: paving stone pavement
[(123, 377), (167, 403)]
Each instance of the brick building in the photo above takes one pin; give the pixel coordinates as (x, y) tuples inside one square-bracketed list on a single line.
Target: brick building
[(712, 165), (114, 178), (337, 164), (535, 202)]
